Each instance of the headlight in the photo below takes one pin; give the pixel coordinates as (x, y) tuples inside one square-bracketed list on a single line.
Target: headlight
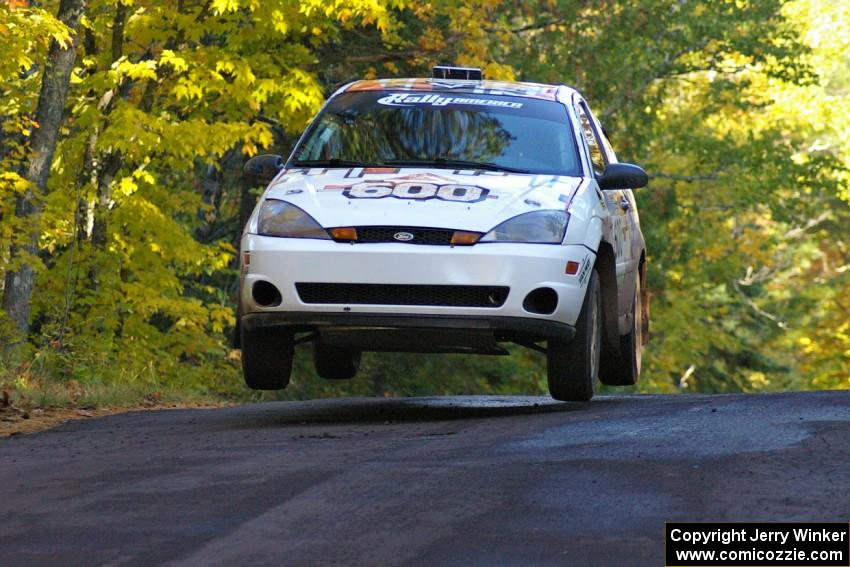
[(540, 227), (279, 218)]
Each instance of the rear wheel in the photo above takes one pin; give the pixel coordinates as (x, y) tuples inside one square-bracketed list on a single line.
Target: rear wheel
[(624, 369), (334, 363), (266, 358), (572, 366)]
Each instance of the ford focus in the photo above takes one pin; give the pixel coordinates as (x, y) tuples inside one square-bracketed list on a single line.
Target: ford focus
[(447, 215)]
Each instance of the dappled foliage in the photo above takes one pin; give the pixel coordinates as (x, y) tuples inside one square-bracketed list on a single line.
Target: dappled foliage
[(740, 111)]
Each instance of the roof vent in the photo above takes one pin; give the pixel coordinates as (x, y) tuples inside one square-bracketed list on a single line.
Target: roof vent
[(462, 73)]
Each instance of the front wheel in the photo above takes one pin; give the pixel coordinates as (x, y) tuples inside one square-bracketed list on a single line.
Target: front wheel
[(573, 366), (267, 358), (624, 369)]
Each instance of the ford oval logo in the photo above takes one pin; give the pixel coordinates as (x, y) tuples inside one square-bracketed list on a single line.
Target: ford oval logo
[(403, 236)]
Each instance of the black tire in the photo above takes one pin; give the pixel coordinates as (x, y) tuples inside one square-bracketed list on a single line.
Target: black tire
[(334, 363), (624, 369), (572, 366), (267, 358)]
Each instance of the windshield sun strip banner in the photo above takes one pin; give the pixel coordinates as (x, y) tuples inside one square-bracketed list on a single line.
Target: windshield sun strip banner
[(407, 100), (528, 90)]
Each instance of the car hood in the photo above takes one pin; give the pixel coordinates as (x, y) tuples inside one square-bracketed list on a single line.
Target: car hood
[(471, 200)]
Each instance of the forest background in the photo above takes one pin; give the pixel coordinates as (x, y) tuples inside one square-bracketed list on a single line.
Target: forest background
[(118, 251)]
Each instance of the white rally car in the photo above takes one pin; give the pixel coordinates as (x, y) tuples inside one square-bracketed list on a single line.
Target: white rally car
[(447, 215)]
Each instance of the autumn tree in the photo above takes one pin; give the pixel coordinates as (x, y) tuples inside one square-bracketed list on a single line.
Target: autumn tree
[(55, 76), (123, 260), (722, 103)]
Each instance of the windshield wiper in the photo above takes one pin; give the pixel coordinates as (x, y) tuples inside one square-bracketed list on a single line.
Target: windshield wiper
[(332, 162), (456, 164)]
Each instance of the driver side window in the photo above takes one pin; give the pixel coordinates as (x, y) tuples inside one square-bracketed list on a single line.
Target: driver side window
[(597, 158)]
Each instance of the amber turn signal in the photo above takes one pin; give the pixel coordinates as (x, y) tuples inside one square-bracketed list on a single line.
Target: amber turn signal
[(463, 238), (572, 268), (346, 233)]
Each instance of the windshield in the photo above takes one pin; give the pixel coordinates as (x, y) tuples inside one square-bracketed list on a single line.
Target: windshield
[(441, 130)]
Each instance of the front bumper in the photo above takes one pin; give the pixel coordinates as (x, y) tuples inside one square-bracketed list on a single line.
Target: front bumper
[(285, 262), (522, 267)]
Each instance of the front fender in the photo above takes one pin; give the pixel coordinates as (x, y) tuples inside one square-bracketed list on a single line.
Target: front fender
[(586, 214)]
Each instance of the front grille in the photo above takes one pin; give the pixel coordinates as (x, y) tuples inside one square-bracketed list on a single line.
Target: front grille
[(432, 236), (391, 294)]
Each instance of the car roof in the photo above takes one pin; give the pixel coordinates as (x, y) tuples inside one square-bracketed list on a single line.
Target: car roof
[(510, 88)]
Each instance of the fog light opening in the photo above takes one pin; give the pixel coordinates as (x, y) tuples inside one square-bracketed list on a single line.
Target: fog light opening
[(541, 301), (266, 294)]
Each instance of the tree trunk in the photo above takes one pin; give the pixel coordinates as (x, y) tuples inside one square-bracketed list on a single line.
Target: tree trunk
[(112, 161), (51, 104), (106, 176)]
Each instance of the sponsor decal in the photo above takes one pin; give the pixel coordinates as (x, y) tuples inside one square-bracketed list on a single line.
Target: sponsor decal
[(306, 171), (350, 172), (380, 170), (481, 173), (425, 177), (584, 272), (417, 186), (363, 171), (410, 100), (416, 190)]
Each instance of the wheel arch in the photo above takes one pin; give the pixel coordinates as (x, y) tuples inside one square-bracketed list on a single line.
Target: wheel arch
[(606, 267)]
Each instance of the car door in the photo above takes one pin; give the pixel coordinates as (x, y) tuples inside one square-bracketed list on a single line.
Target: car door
[(617, 225)]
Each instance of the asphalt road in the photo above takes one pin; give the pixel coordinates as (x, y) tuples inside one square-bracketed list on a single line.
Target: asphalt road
[(424, 481)]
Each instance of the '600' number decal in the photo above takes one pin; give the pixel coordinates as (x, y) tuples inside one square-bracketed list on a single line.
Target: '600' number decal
[(415, 190)]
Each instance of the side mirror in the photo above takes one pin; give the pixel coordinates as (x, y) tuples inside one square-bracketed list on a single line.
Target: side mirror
[(622, 176), (263, 168)]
